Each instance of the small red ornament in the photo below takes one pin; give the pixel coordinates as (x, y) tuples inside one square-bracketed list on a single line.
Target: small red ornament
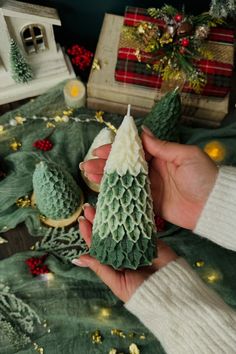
[(185, 42), (44, 144), (160, 223), (178, 17)]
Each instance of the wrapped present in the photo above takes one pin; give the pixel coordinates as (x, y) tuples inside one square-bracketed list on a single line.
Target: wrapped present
[(133, 61)]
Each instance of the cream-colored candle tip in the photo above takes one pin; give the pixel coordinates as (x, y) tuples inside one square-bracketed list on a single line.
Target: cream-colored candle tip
[(128, 110)]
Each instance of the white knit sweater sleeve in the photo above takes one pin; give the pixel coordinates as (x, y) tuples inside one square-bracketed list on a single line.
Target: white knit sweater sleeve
[(217, 221), (174, 303), (183, 313)]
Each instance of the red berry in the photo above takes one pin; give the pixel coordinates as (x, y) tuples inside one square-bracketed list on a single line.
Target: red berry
[(44, 144), (185, 42)]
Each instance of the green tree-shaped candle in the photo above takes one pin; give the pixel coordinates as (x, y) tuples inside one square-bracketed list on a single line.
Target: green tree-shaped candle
[(163, 120), (20, 69), (124, 234), (57, 195)]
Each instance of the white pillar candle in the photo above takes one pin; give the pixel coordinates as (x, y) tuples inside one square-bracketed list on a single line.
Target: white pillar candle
[(74, 94)]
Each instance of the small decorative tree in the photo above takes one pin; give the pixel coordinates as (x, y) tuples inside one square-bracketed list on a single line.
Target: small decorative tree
[(124, 234), (21, 71), (57, 195), (163, 120)]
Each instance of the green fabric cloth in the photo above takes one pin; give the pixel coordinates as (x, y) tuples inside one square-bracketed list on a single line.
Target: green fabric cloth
[(73, 301)]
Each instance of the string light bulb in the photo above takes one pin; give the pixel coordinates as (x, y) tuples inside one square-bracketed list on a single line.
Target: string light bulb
[(215, 150)]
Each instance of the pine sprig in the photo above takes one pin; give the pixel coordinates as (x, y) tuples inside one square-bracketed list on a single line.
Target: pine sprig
[(17, 319), (65, 244)]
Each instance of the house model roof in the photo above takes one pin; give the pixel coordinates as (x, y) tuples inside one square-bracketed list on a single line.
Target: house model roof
[(29, 11)]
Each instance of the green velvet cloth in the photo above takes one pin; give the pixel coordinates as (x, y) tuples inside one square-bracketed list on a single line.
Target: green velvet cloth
[(75, 302)]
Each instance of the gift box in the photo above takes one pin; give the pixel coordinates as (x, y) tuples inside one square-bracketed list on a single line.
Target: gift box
[(107, 94), (132, 67)]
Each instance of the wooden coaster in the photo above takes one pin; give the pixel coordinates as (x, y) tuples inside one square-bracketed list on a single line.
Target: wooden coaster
[(92, 185), (60, 222)]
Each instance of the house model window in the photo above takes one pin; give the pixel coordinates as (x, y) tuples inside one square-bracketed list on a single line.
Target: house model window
[(34, 38)]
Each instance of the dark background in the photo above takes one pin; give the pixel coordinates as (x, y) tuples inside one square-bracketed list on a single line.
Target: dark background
[(82, 19)]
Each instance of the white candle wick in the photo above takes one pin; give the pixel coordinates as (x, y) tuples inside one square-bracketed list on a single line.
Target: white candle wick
[(128, 110)]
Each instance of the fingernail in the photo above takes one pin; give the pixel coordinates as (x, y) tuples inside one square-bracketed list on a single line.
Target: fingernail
[(79, 262), (86, 205), (147, 131), (81, 218), (94, 152), (81, 166)]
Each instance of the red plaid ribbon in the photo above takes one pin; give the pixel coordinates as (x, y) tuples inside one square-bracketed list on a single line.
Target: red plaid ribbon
[(129, 70)]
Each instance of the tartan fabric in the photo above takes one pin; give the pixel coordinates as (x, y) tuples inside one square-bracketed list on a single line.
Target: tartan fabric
[(130, 70)]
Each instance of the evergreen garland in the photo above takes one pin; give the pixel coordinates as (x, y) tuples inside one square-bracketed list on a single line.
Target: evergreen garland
[(17, 319), (223, 8), (64, 244), (21, 71)]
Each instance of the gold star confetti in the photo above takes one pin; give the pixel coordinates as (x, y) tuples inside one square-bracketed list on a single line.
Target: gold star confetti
[(20, 120), (58, 119), (133, 349), (118, 333), (96, 337), (50, 125), (199, 264), (99, 117), (113, 351), (15, 145), (23, 202), (96, 65)]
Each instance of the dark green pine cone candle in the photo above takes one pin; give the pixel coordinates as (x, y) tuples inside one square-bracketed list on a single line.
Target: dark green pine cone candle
[(57, 195), (124, 233), (164, 118)]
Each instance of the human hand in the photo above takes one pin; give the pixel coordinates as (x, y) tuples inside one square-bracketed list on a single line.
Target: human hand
[(125, 282), (182, 177)]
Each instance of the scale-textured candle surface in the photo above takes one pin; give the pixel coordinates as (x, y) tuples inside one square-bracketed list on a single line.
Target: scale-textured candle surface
[(124, 233)]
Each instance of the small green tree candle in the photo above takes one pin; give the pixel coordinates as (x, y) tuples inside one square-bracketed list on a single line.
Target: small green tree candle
[(57, 195), (163, 120), (124, 233)]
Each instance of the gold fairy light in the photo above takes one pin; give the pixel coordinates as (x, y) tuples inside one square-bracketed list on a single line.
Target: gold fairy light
[(1, 128), (211, 275), (215, 150), (104, 312)]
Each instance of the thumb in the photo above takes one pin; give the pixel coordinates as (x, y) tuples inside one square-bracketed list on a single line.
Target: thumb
[(164, 150)]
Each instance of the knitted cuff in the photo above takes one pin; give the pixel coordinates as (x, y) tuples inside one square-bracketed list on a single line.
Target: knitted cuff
[(217, 220), (183, 313)]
